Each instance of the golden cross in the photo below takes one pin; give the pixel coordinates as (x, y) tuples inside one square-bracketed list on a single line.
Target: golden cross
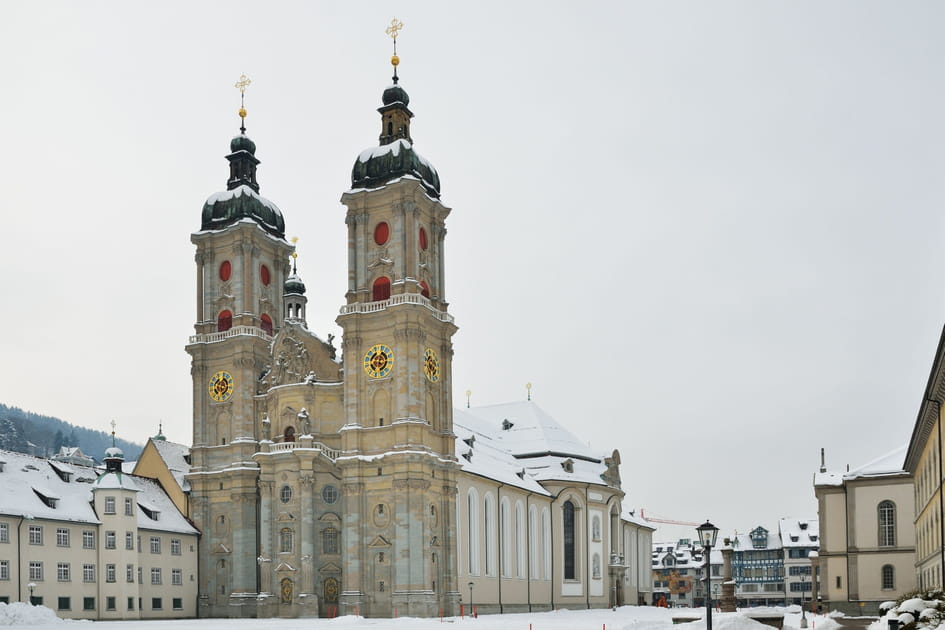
[(394, 28), (243, 83)]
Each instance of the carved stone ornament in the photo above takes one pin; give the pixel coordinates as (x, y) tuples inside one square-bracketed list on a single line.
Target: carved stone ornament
[(292, 362), (380, 256), (353, 488)]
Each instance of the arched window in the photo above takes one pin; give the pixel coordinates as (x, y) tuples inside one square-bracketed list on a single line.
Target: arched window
[(224, 321), (519, 540), (887, 524), (285, 540), (472, 529), (545, 544), (424, 289), (489, 514), (889, 577), (330, 541), (266, 324), (289, 434), (381, 289), (595, 528), (423, 239), (567, 514), (533, 542), (504, 519)]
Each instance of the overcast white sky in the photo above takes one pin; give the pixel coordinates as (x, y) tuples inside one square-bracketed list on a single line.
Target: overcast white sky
[(705, 231)]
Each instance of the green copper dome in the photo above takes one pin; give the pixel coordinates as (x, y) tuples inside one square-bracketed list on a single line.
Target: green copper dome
[(294, 285), (395, 94), (378, 165), (241, 199), (242, 143)]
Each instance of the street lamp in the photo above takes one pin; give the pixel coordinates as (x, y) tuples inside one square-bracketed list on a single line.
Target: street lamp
[(470, 599), (803, 616), (31, 586), (707, 535)]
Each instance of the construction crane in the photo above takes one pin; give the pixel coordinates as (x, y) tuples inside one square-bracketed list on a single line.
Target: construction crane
[(667, 521)]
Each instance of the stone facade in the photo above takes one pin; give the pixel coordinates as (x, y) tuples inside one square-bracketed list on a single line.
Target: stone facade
[(329, 480)]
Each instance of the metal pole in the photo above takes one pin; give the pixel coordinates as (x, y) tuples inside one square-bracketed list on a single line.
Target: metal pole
[(708, 587)]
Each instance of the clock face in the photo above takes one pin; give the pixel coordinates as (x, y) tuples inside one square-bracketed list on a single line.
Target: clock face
[(221, 386), (431, 365), (378, 361)]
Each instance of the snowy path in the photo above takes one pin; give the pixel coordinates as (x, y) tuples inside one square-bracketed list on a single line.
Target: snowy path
[(625, 618)]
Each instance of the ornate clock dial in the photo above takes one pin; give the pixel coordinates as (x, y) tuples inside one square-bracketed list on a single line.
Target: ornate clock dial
[(221, 386), (431, 365), (378, 361)]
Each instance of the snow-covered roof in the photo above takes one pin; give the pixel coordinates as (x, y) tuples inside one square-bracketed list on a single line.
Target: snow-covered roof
[(799, 532), (156, 501), (632, 515), (24, 476), (518, 443), (175, 458), (31, 487), (887, 465), (744, 542)]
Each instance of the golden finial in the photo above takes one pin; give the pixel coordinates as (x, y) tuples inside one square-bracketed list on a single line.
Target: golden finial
[(241, 85), (295, 239), (528, 386), (113, 433), (468, 394), (395, 27)]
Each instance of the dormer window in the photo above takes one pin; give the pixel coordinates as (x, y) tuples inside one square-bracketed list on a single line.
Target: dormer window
[(803, 525), (152, 514), (506, 425), (568, 465), (467, 456), (794, 537), (47, 499), (470, 441)]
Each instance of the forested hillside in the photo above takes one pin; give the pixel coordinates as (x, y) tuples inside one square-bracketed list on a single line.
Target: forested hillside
[(31, 433)]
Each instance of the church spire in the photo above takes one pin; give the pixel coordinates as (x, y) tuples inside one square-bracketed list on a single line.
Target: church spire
[(395, 117)]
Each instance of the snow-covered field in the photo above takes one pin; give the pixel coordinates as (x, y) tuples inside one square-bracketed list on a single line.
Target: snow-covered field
[(627, 617)]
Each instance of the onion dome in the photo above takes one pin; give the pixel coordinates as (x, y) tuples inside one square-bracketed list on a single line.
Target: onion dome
[(241, 199), (395, 157), (294, 285)]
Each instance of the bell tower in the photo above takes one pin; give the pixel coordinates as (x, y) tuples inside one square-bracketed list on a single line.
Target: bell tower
[(397, 464), (242, 265)]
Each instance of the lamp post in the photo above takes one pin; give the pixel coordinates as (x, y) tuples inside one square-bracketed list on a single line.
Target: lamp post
[(31, 586), (707, 535), (803, 616), (470, 599)]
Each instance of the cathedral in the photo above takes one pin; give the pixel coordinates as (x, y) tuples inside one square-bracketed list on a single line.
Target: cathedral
[(329, 481)]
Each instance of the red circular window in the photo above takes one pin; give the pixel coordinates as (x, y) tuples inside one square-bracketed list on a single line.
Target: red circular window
[(381, 233), (225, 269), (264, 275), (423, 239)]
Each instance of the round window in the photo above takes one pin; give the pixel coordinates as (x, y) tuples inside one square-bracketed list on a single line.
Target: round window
[(381, 233), (264, 275), (225, 270), (329, 494), (285, 494)]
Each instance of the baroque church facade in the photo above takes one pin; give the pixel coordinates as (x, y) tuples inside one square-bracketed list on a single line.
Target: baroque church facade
[(341, 481)]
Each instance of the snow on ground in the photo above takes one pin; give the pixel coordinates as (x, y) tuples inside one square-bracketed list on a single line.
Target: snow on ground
[(624, 618)]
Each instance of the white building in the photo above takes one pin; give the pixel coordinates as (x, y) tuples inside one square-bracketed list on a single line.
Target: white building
[(93, 544)]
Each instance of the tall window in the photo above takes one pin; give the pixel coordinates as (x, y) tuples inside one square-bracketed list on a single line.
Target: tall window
[(887, 524), (285, 540), (177, 577), (545, 543), (36, 570), (36, 534), (109, 572), (4, 569), (4, 533), (129, 506), (330, 541), (568, 527), (533, 542), (109, 540), (506, 538), (472, 530), (224, 321), (155, 575), (62, 537), (489, 518), (519, 540), (63, 572), (88, 572), (381, 289), (889, 577), (109, 505), (175, 546), (88, 539)]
